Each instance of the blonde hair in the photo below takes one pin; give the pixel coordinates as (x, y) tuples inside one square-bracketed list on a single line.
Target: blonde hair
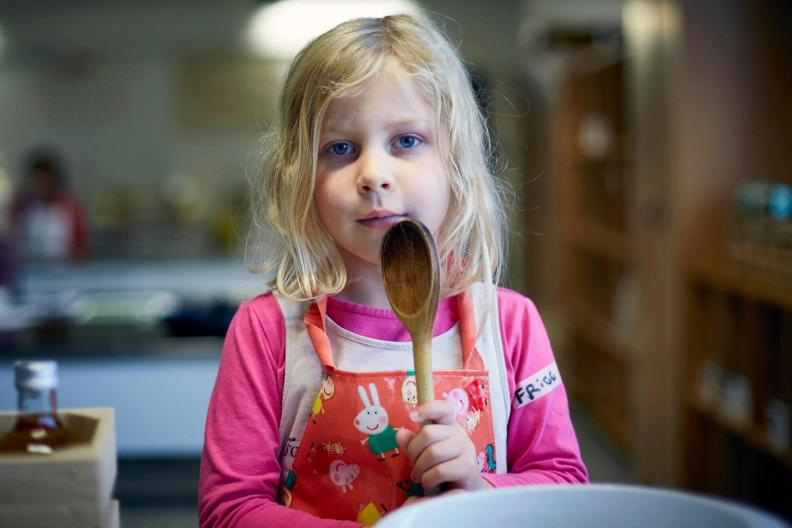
[(470, 241)]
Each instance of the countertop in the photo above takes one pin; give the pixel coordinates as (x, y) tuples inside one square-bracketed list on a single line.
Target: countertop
[(113, 309)]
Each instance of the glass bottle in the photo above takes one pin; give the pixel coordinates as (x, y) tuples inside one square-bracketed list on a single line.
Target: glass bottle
[(38, 429)]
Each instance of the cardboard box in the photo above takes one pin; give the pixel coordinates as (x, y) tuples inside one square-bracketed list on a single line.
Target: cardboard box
[(70, 488)]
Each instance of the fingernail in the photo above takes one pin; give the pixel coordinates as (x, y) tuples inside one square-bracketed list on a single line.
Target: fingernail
[(415, 416)]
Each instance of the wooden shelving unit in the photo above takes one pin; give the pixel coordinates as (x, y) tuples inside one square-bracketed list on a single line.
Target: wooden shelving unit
[(739, 388), (683, 354), (593, 203), (736, 331)]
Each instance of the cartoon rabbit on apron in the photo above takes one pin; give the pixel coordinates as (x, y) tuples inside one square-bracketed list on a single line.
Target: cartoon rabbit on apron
[(372, 420)]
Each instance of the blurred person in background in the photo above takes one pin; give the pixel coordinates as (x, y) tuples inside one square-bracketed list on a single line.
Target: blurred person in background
[(48, 222), (7, 256)]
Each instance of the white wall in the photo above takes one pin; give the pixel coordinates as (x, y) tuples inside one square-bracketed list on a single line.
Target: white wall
[(100, 83)]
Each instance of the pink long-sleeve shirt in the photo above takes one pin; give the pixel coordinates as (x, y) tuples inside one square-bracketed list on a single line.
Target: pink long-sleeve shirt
[(240, 468)]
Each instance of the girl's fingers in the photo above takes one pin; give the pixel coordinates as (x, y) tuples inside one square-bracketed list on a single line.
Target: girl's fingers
[(434, 455), (455, 470), (403, 438), (437, 411), (428, 435)]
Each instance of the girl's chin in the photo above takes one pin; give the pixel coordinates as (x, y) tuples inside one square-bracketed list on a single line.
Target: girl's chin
[(355, 261)]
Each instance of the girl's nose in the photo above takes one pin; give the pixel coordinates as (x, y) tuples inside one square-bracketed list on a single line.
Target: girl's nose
[(375, 172)]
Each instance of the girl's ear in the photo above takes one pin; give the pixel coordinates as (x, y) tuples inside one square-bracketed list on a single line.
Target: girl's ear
[(374, 394), (364, 396)]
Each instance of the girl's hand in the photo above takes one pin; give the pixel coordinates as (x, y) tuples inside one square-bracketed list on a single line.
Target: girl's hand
[(441, 452)]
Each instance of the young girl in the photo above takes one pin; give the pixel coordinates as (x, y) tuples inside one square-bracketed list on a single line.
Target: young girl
[(313, 420)]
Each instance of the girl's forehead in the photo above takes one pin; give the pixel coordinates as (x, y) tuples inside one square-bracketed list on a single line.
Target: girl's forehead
[(389, 97)]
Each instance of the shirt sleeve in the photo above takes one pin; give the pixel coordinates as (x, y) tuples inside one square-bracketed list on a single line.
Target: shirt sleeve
[(240, 465), (541, 442)]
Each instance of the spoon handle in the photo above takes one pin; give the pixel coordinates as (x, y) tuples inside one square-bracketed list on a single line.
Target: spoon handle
[(422, 358)]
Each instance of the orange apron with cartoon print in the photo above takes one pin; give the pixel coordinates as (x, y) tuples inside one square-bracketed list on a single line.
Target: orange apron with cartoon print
[(348, 465)]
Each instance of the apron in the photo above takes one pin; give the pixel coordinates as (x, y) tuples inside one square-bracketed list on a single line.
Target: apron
[(348, 465)]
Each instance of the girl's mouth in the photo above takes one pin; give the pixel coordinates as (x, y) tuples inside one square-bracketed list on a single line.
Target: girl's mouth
[(381, 222)]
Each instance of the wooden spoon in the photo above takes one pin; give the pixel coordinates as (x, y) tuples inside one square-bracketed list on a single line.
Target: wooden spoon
[(411, 273)]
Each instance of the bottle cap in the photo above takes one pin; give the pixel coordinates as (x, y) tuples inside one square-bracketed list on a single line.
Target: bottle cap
[(36, 375), (779, 201)]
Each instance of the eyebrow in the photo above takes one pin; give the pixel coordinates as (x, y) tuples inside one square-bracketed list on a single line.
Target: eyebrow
[(406, 122), (395, 124)]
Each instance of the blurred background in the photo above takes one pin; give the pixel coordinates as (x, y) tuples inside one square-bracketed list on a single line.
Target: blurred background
[(645, 143)]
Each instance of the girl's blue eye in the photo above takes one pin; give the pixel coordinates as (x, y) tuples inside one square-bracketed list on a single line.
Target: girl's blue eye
[(408, 142), (342, 148)]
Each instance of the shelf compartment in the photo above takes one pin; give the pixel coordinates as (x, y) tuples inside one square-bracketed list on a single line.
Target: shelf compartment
[(603, 385), (600, 333), (601, 241), (606, 288), (752, 436), (727, 277), (603, 193)]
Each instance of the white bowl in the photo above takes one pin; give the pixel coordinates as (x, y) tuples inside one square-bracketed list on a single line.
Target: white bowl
[(589, 506)]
